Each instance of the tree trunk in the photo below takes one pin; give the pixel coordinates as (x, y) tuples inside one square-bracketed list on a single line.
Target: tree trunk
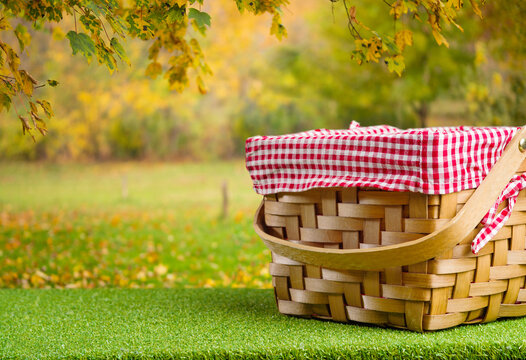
[(423, 112)]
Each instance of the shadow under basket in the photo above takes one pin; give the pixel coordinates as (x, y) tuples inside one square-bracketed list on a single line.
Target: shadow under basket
[(398, 259)]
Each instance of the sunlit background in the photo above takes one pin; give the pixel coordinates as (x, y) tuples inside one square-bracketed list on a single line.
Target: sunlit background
[(138, 186)]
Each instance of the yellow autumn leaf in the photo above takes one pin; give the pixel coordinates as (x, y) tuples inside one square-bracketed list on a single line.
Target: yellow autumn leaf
[(36, 280), (403, 38), (152, 257), (264, 271), (440, 39), (277, 28), (496, 79), (374, 48), (476, 8), (480, 54), (398, 9), (154, 69), (4, 23), (160, 269), (46, 106), (201, 85), (23, 36), (12, 59), (141, 275), (27, 82), (42, 275), (395, 64), (457, 4), (33, 107), (209, 283)]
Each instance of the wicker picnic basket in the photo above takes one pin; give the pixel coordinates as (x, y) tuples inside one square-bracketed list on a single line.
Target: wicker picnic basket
[(399, 259)]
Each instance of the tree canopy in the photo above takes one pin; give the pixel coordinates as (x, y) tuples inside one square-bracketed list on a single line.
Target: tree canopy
[(263, 85), (172, 27), (99, 27)]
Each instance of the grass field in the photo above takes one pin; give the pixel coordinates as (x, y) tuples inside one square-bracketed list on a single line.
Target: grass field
[(69, 226), (128, 225), (217, 324)]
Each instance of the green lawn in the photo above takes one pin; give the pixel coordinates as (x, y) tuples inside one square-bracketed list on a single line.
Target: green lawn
[(217, 323), (70, 226), (182, 187)]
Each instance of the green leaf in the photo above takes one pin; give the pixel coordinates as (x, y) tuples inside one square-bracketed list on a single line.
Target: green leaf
[(117, 24), (23, 36), (411, 6), (201, 19), (115, 45), (82, 43), (240, 5), (52, 83), (391, 46), (105, 57), (156, 16), (176, 14), (98, 7)]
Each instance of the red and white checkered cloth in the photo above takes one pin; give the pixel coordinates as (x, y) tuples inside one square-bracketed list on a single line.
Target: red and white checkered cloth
[(493, 222), (429, 161)]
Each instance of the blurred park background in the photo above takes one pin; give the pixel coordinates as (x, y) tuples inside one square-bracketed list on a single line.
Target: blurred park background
[(128, 189)]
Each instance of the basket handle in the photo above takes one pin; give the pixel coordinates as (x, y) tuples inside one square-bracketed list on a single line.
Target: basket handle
[(415, 251)]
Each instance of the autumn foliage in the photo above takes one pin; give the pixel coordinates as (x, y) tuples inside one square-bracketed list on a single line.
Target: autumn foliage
[(263, 85), (99, 26), (98, 29)]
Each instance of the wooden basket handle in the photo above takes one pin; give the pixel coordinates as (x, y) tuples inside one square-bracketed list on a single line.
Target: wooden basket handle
[(415, 251)]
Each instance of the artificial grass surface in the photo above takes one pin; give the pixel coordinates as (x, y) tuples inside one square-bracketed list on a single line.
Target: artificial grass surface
[(216, 323)]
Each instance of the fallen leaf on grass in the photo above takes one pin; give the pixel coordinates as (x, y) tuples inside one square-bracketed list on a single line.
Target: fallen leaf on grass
[(160, 269)]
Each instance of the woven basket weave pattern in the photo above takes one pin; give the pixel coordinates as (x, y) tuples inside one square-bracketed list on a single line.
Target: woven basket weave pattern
[(454, 288)]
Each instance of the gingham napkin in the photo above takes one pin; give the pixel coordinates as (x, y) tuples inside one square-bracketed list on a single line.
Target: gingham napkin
[(429, 161)]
